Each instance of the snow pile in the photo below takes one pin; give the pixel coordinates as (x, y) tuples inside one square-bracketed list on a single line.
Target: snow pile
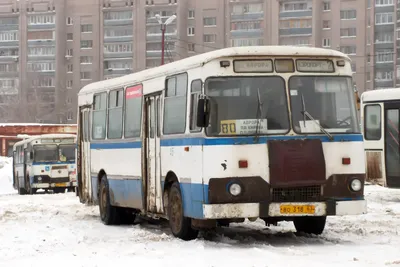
[(6, 186)]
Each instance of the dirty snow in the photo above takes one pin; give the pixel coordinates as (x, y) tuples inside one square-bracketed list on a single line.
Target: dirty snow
[(43, 230)]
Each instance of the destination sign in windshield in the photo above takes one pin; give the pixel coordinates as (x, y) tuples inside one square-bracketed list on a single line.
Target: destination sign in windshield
[(317, 65), (253, 65)]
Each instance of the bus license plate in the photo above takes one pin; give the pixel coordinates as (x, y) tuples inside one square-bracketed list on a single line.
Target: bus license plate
[(60, 184), (297, 209)]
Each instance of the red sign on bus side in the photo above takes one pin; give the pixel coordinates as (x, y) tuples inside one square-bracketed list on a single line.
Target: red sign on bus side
[(133, 92)]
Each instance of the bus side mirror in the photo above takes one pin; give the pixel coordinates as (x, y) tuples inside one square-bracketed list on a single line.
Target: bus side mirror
[(203, 113)]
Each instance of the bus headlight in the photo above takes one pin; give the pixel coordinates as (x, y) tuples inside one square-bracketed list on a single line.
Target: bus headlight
[(355, 185), (235, 189)]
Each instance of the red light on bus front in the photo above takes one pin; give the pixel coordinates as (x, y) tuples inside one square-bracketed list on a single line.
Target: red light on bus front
[(243, 164), (346, 161)]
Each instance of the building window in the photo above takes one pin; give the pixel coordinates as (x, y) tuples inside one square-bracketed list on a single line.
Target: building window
[(191, 47), (70, 21), (384, 3), (69, 84), (86, 75), (70, 52), (86, 28), (384, 18), (115, 102), (70, 116), (247, 42), (241, 9), (9, 36), (133, 111), (348, 32), (41, 19), (118, 48), (384, 37), (118, 15), (42, 51), (326, 42), (70, 36), (175, 104), (348, 14), (384, 75), (353, 67), (118, 65), (86, 44), (86, 60), (250, 25), (99, 116), (41, 35), (209, 38), (191, 14), (190, 31), (349, 50), (326, 24), (70, 68), (118, 32), (195, 92), (210, 21), (326, 6), (9, 67)]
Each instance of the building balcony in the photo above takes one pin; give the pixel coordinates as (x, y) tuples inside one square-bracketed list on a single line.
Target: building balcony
[(247, 33), (153, 21), (384, 83), (45, 42), (9, 91), (128, 54), (296, 14), (120, 72), (13, 43), (41, 57), (384, 28), (384, 45), (47, 26), (156, 37), (9, 27), (9, 58), (157, 53), (113, 39), (9, 74), (295, 31), (118, 22), (384, 9), (247, 16)]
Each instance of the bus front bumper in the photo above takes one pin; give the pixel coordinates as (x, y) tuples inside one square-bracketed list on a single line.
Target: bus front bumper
[(293, 209), (53, 185)]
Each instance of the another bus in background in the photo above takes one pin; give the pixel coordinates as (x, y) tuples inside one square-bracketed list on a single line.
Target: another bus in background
[(380, 114), (45, 162)]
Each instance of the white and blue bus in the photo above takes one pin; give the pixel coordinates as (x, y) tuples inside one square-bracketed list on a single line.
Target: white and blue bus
[(45, 162), (266, 132)]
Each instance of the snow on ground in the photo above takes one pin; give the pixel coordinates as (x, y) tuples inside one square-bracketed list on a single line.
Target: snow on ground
[(43, 230)]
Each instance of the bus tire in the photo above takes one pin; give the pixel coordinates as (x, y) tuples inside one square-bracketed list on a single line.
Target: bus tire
[(180, 225), (310, 225), (109, 214)]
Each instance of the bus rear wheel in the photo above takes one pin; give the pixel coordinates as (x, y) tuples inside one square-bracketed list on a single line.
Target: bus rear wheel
[(310, 225), (109, 214), (180, 225)]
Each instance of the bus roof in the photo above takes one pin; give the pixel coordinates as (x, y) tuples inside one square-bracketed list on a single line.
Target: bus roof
[(381, 95), (43, 136), (201, 59)]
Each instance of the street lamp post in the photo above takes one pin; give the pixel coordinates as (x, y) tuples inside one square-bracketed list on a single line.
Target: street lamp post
[(163, 28)]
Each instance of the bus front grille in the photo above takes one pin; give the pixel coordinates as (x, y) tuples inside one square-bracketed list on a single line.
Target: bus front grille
[(296, 194)]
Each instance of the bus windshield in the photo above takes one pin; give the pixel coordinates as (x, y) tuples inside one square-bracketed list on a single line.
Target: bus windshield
[(67, 152), (247, 105), (45, 153), (329, 100)]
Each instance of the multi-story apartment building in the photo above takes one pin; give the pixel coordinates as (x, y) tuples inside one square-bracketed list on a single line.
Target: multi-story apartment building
[(50, 49)]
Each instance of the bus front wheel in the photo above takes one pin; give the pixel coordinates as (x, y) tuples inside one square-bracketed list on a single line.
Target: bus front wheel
[(180, 225), (108, 213), (310, 225)]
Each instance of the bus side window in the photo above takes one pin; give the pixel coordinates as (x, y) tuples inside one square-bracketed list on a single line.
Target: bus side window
[(175, 104), (115, 104), (99, 116), (195, 92), (372, 122)]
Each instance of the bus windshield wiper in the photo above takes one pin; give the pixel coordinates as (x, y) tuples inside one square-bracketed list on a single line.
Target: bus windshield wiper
[(305, 114)]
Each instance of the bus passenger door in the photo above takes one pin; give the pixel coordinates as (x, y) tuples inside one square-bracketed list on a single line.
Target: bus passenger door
[(84, 177), (153, 179), (392, 147)]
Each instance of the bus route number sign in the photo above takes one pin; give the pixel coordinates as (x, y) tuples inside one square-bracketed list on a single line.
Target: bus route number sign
[(249, 126)]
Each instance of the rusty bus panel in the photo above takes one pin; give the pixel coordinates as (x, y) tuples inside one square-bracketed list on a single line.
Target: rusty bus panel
[(9, 133), (374, 167)]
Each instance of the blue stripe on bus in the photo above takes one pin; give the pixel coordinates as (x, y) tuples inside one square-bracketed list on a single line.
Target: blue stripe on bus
[(199, 141), (52, 163), (130, 192)]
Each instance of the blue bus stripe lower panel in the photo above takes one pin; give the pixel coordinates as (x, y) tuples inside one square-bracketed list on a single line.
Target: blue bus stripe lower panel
[(200, 141)]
